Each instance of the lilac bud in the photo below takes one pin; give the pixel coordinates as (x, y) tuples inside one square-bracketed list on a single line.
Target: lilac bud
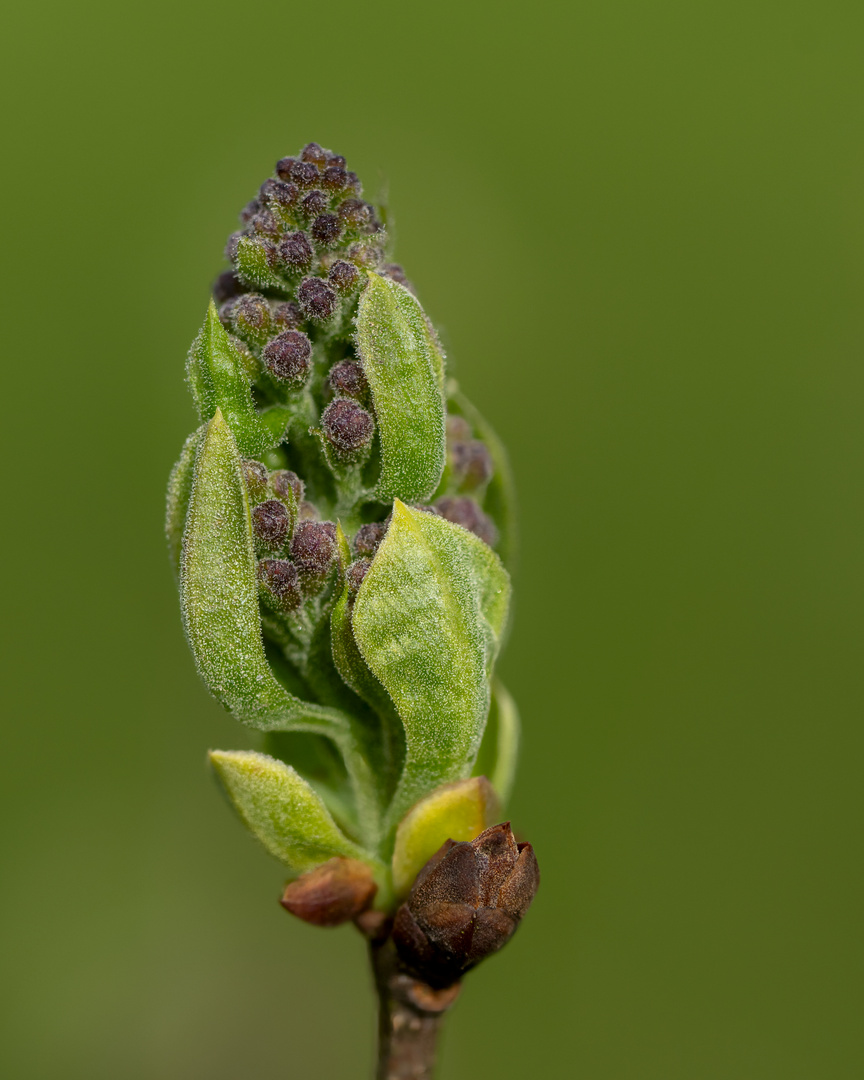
[(462, 510), (309, 511), (249, 211), (304, 174), (279, 584), (279, 193), (326, 229), (458, 428), (227, 286), (295, 253), (314, 203), (314, 550), (347, 427), (332, 893), (232, 244), (347, 378), (288, 358), (255, 475), (356, 572), (396, 273), (472, 464), (271, 523), (286, 484), (369, 537), (355, 213), (251, 317), (285, 167), (336, 160), (317, 299), (287, 316), (335, 178), (343, 276), (266, 224), (314, 153)]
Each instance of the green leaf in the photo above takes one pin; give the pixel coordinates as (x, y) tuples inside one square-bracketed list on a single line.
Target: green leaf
[(179, 491), (499, 750), (218, 381), (404, 368), (219, 600), (428, 619), (281, 810), (459, 811)]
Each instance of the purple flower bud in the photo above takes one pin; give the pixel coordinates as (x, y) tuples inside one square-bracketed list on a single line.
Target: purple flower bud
[(369, 537), (266, 224), (347, 378), (465, 904), (255, 475), (271, 524), (347, 427), (337, 160), (304, 174), (288, 358), (249, 211), (355, 212), (314, 153), (232, 244), (343, 276), (295, 253), (287, 316), (356, 572), (462, 510), (317, 299), (326, 229), (227, 286), (279, 193), (314, 550), (309, 511), (251, 317), (285, 167), (335, 178), (472, 464), (396, 273), (286, 483), (279, 584), (313, 204)]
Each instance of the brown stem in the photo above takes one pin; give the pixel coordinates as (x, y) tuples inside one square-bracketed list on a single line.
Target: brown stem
[(409, 1017)]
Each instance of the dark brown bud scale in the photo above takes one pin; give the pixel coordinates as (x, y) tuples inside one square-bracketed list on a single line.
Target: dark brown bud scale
[(249, 211), (232, 245), (355, 212), (333, 893), (288, 358), (279, 583), (347, 378), (335, 178), (465, 904), (463, 510), (347, 427), (271, 523), (317, 299), (314, 548), (304, 174)]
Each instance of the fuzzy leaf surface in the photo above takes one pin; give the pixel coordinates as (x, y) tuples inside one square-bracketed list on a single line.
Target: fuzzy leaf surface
[(281, 809), (403, 365), (428, 619), (179, 493)]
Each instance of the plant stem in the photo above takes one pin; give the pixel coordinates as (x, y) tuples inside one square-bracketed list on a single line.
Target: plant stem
[(409, 1017)]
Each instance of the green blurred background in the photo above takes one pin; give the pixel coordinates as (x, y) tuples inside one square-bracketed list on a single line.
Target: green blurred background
[(640, 227)]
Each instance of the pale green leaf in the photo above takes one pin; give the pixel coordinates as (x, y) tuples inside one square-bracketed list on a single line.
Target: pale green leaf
[(403, 365), (179, 491)]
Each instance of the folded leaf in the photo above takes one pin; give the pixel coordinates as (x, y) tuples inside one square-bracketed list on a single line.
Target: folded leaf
[(403, 365), (459, 811), (427, 620), (218, 381), (281, 810)]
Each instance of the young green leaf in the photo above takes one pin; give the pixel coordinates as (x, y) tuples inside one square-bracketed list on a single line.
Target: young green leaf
[(218, 381), (403, 365), (458, 811), (281, 810), (427, 619), (179, 491)]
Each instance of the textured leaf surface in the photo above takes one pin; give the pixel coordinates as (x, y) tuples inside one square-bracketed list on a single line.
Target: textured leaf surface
[(427, 620), (218, 381), (403, 366), (179, 492), (458, 811), (281, 809)]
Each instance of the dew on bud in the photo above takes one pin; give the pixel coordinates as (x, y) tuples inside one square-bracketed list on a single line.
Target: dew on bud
[(295, 252), (316, 298), (347, 378), (288, 357), (462, 510), (287, 316), (326, 229), (271, 524), (227, 286), (343, 275), (279, 584), (369, 537), (286, 483), (347, 427), (314, 153), (314, 549)]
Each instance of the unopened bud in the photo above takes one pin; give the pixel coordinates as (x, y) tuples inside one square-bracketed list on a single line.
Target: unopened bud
[(308, 511), (304, 174), (356, 572), (369, 537), (271, 524), (287, 316), (465, 905), (462, 510), (279, 193), (313, 204), (396, 273), (326, 229), (348, 428), (266, 224), (314, 549), (355, 212), (255, 475), (458, 428), (232, 244), (295, 253), (335, 178), (314, 153), (249, 211), (251, 318), (336, 159), (343, 276), (288, 358), (227, 286), (347, 378), (472, 464), (279, 584), (316, 298), (331, 894), (286, 484)]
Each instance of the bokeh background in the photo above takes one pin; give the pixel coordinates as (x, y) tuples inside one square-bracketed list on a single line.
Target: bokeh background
[(640, 226)]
